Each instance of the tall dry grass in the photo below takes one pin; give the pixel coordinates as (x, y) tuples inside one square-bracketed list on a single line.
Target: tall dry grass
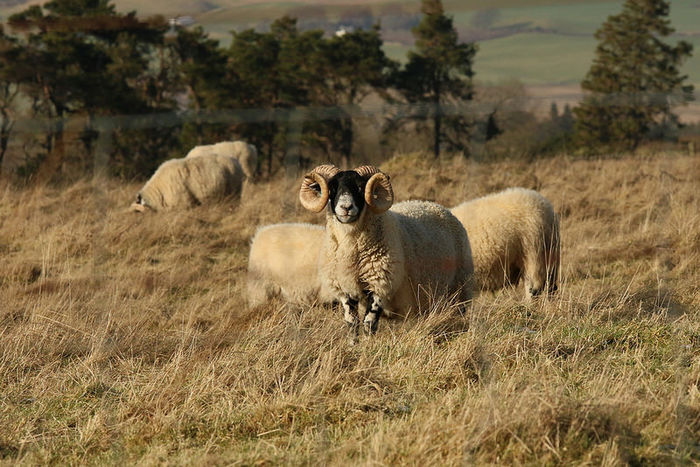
[(125, 338)]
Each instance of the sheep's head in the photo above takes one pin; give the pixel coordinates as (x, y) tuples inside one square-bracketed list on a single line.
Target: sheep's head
[(348, 191), (139, 205)]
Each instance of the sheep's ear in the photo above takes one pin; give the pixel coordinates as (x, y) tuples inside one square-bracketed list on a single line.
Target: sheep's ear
[(137, 207), (379, 195), (313, 193)]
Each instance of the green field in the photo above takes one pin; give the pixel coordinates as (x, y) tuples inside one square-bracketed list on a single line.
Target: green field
[(550, 42), (539, 42)]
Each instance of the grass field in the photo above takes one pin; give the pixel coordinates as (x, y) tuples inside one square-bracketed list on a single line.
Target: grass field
[(125, 338), (551, 43)]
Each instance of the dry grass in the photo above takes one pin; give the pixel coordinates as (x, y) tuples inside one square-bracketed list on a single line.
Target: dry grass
[(125, 338)]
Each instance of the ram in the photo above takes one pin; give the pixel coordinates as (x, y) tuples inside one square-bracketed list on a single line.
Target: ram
[(514, 235), (182, 183), (283, 261), (389, 260)]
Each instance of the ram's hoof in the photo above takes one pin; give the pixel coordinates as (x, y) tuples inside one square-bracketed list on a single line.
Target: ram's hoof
[(352, 324), (371, 326)]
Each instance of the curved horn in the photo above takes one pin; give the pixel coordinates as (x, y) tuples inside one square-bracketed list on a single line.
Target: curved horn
[(378, 193), (366, 170), (310, 197), (327, 170)]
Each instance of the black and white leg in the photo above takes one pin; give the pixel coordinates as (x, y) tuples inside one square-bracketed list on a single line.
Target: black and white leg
[(374, 311), (350, 309)]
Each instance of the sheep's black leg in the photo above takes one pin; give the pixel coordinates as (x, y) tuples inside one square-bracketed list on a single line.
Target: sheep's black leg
[(374, 311), (350, 317)]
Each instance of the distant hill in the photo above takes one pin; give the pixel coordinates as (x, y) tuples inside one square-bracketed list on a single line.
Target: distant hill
[(542, 43)]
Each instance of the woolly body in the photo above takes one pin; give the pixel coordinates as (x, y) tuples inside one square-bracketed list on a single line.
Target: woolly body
[(283, 261), (412, 252), (513, 234), (180, 183), (246, 154)]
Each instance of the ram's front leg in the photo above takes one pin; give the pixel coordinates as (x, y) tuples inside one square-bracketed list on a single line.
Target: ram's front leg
[(375, 307), (351, 317)]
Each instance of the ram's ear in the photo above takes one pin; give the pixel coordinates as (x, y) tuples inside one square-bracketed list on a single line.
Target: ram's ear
[(137, 207), (379, 195)]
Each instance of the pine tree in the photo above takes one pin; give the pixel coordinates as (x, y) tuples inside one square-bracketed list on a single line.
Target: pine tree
[(200, 65), (254, 61), (86, 59), (354, 67), (439, 72), (13, 72), (634, 79)]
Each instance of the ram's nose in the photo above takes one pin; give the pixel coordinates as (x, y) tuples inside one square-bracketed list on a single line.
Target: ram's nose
[(345, 208)]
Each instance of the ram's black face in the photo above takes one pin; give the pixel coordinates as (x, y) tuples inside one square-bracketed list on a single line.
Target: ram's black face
[(347, 196)]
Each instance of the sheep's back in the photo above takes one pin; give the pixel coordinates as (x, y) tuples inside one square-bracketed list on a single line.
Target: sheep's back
[(181, 183), (435, 243), (213, 176), (246, 154), (285, 257), (501, 227), (166, 187)]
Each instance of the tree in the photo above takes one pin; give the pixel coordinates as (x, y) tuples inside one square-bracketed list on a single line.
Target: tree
[(354, 65), (202, 66), (286, 69), (634, 79), (13, 72), (254, 61), (201, 69), (439, 72), (86, 59)]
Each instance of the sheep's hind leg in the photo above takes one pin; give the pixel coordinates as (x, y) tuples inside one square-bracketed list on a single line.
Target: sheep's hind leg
[(374, 311), (350, 316)]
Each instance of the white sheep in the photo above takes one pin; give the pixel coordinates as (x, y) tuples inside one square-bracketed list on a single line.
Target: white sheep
[(246, 154), (181, 183), (514, 234), (283, 260), (391, 260)]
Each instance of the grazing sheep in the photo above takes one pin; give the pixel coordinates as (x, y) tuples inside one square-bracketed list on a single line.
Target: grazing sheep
[(513, 234), (245, 154), (283, 261), (181, 183), (391, 260)]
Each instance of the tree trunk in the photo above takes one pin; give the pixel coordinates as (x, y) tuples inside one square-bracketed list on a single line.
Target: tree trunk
[(269, 160), (437, 121), (54, 158), (346, 142), (5, 130)]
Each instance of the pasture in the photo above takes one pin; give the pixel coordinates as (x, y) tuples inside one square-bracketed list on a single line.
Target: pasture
[(125, 338), (538, 42)]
